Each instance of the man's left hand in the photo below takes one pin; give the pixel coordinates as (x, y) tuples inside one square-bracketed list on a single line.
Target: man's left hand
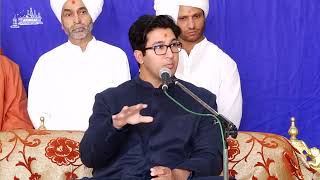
[(165, 173), (161, 173)]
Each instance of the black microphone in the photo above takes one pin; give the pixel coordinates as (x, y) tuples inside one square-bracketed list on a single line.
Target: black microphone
[(165, 75)]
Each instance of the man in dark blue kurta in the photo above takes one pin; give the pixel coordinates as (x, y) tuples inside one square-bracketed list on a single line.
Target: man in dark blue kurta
[(137, 132)]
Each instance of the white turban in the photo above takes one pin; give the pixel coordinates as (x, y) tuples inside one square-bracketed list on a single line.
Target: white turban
[(94, 7), (171, 7)]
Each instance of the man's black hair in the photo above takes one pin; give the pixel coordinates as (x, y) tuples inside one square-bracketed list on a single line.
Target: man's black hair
[(140, 28)]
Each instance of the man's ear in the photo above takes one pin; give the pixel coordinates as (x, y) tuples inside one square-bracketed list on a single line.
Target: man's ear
[(139, 56)]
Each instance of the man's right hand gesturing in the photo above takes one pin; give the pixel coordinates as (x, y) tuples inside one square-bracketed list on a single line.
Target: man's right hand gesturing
[(130, 115)]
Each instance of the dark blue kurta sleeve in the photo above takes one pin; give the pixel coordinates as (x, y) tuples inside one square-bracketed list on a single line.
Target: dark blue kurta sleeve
[(101, 140), (206, 156)]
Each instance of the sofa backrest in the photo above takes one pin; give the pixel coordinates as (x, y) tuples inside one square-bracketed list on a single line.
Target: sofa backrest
[(54, 155)]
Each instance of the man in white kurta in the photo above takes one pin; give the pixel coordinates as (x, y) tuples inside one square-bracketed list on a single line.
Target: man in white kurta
[(66, 79), (200, 61)]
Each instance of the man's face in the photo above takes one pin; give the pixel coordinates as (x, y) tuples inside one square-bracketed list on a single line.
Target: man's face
[(151, 63), (191, 21), (76, 20)]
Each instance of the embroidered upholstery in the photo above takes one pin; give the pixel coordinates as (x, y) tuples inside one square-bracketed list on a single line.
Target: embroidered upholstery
[(44, 154)]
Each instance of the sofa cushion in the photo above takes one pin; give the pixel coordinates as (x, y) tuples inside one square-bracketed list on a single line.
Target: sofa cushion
[(256, 155), (35, 154)]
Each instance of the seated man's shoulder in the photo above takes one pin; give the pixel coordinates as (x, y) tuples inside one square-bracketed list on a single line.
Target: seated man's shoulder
[(214, 48), (220, 55), (199, 91), (122, 90), (54, 53), (8, 63), (109, 48), (8, 68)]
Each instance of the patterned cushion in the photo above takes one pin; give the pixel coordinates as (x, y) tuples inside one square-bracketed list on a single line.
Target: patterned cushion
[(37, 154), (262, 156)]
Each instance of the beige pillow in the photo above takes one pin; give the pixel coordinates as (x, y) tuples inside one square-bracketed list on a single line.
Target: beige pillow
[(35, 154)]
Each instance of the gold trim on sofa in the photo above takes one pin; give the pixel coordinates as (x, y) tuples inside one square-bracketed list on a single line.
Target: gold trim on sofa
[(310, 155)]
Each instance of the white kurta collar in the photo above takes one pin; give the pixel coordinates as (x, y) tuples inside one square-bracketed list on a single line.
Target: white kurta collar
[(76, 48)]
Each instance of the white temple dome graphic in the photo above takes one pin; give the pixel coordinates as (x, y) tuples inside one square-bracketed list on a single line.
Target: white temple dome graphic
[(31, 18)]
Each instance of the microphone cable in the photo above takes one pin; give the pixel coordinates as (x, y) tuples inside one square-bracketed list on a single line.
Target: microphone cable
[(217, 121)]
